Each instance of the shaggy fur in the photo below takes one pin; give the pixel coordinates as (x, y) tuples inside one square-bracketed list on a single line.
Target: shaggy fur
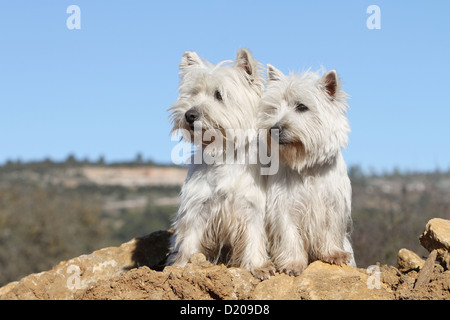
[(309, 199), (222, 205)]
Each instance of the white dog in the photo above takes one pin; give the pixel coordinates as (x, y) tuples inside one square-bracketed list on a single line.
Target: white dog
[(222, 205), (309, 199)]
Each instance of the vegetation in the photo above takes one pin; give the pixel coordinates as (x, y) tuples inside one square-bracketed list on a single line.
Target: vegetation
[(40, 226), (390, 212), (45, 219)]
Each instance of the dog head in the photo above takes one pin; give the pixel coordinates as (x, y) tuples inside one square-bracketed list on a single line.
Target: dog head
[(306, 115), (216, 97)]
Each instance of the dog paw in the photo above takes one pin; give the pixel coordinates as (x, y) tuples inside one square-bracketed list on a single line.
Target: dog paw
[(338, 257), (264, 272), (293, 269)]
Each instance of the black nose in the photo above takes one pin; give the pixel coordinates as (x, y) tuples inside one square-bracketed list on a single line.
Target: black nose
[(191, 115), (276, 130)]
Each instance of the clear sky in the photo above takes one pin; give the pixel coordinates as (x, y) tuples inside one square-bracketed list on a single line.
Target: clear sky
[(104, 89)]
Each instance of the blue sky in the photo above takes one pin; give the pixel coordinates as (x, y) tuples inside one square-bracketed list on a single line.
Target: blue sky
[(105, 89)]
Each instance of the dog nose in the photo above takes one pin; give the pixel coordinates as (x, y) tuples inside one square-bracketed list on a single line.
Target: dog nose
[(191, 115), (276, 130)]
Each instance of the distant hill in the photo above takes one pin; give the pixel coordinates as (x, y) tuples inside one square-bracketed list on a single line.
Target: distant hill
[(72, 173), (53, 210)]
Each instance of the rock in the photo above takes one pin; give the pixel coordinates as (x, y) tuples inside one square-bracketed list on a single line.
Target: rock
[(408, 260), (135, 270), (198, 280), (71, 277), (201, 279), (445, 260), (7, 288), (278, 287), (436, 235), (322, 281), (204, 281), (427, 270)]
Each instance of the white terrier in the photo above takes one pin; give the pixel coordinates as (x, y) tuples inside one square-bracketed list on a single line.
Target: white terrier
[(309, 199), (222, 205)]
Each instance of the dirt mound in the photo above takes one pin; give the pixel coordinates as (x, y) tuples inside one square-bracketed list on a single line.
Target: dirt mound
[(134, 271)]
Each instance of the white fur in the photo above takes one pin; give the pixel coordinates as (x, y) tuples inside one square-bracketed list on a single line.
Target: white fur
[(308, 210), (222, 205)]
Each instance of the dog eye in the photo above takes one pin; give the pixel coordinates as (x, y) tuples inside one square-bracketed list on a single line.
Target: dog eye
[(217, 95), (300, 107)]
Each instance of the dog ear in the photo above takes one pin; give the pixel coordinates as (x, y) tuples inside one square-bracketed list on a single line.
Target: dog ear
[(245, 60), (273, 74), (190, 59), (330, 83)]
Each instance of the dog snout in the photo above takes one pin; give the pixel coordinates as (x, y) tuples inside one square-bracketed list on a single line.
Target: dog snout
[(278, 134), (276, 130), (192, 115)]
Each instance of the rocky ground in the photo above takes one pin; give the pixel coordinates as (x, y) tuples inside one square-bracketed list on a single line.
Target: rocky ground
[(134, 271)]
